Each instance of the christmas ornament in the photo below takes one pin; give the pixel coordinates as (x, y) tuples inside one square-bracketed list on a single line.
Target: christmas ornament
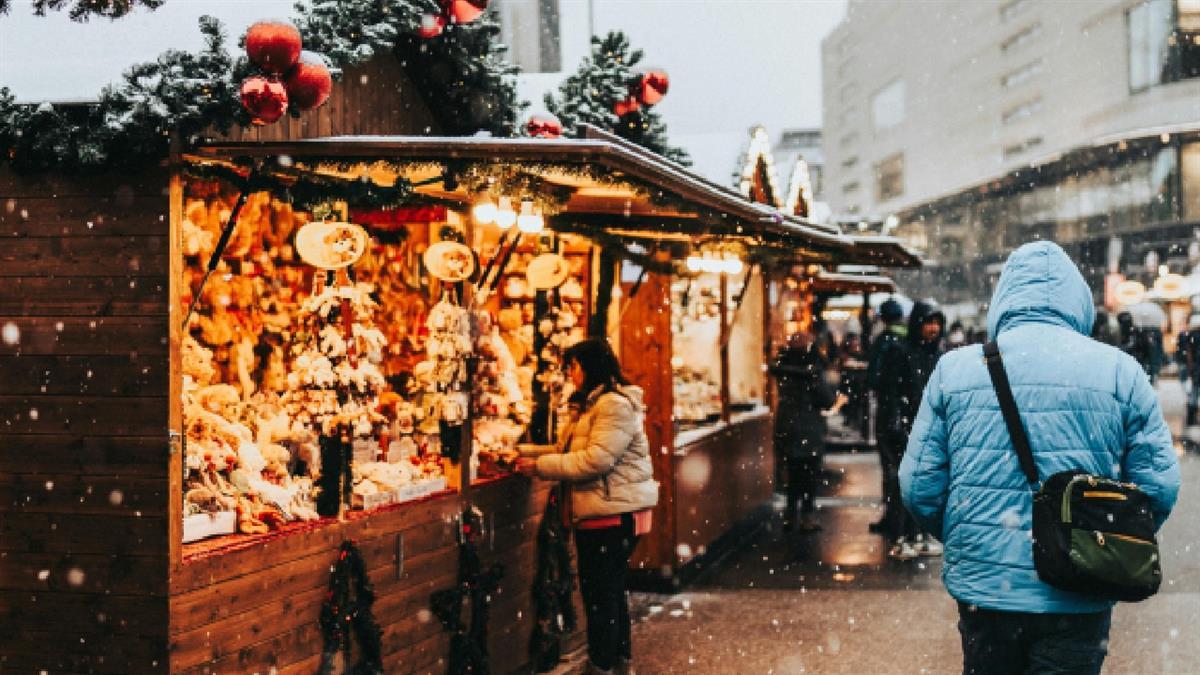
[(464, 11), (626, 106), (348, 613), (652, 86), (543, 125), (273, 46), (432, 26), (265, 100), (309, 82)]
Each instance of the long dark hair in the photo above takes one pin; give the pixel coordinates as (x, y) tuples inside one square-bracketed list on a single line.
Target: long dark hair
[(600, 366)]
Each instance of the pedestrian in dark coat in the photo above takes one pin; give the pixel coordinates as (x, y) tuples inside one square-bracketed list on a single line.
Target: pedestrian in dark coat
[(887, 374), (923, 348), (800, 427)]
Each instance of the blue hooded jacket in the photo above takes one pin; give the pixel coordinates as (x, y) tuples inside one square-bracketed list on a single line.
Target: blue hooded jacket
[(1085, 406)]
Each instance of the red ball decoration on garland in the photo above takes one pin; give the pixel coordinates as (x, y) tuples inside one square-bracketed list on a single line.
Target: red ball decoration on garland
[(273, 46), (626, 106), (652, 86), (432, 26), (308, 83), (464, 11), (543, 125), (265, 100)]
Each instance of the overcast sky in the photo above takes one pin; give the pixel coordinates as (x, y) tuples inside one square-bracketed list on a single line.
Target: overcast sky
[(733, 63)]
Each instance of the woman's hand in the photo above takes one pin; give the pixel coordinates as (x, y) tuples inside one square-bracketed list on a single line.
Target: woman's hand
[(526, 466)]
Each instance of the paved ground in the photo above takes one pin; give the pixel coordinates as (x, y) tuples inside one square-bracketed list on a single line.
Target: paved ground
[(833, 603)]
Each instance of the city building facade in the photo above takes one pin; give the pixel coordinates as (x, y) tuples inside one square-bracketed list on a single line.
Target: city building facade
[(971, 128)]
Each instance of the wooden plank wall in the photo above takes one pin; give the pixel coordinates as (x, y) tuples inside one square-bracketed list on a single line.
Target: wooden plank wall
[(646, 361), (256, 610), (83, 444), (374, 98), (719, 480)]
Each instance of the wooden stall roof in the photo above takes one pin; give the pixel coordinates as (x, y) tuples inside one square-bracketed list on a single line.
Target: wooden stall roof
[(834, 282), (622, 210)]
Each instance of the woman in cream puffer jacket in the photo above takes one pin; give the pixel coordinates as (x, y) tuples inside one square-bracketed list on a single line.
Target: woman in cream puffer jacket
[(604, 461)]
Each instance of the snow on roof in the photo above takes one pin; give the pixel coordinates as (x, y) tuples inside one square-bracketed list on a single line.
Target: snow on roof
[(51, 58)]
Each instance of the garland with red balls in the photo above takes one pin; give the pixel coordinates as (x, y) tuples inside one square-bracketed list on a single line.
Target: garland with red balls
[(289, 76), (347, 614)]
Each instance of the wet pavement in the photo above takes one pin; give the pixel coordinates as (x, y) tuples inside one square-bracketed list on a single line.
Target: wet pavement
[(832, 602)]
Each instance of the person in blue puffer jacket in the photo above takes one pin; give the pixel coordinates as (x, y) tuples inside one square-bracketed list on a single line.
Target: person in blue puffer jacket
[(1086, 406)]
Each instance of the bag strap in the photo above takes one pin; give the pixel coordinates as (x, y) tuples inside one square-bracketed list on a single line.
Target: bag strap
[(1008, 408)]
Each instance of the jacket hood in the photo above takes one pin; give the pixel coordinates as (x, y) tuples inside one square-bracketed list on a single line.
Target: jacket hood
[(1040, 284), (922, 312)]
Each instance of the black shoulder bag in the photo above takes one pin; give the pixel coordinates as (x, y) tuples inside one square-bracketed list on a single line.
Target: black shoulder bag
[(1091, 535)]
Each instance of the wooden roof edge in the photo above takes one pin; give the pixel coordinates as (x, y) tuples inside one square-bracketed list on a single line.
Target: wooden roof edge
[(616, 153)]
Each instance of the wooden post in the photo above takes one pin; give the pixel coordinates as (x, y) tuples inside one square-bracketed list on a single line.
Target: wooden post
[(726, 327)]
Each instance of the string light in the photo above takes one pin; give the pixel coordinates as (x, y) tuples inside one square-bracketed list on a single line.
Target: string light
[(505, 216)]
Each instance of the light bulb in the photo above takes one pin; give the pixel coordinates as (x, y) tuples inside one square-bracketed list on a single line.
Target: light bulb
[(530, 223), (734, 266), (485, 213), (694, 264), (505, 216)]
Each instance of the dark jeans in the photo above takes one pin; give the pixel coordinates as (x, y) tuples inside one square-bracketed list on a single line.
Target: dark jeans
[(1004, 643), (603, 567), (803, 479), (897, 521)]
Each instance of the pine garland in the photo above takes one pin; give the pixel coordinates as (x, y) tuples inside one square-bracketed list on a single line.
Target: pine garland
[(346, 611), (553, 584), (306, 190), (603, 79), (468, 640), (184, 95), (82, 10)]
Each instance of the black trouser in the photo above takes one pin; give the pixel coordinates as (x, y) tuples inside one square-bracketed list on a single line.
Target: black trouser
[(603, 567), (803, 480), (898, 522), (1015, 643)]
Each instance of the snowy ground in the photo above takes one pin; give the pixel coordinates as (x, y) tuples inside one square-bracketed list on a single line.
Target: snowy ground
[(832, 603)]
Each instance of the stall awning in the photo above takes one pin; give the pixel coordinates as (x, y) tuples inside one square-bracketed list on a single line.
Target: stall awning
[(845, 284), (609, 187)]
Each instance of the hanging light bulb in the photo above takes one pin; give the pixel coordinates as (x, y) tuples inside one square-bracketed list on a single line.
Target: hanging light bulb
[(734, 265), (485, 212), (505, 216), (694, 264), (529, 222)]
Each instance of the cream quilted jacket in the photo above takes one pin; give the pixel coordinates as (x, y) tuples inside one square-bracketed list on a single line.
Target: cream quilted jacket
[(605, 457)]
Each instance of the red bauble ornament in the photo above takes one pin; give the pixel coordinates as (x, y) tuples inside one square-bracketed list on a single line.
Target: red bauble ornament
[(265, 100), (308, 83), (543, 125), (464, 11), (626, 106), (432, 26), (273, 46), (652, 86)]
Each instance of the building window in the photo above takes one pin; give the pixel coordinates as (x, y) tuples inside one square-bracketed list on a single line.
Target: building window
[(1021, 37), (849, 161), (1011, 151), (1012, 8), (1022, 74), (889, 178), (852, 186), (1022, 111), (1190, 170), (887, 106), (1164, 42)]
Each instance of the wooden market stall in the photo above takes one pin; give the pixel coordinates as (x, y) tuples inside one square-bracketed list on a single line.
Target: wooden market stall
[(99, 274)]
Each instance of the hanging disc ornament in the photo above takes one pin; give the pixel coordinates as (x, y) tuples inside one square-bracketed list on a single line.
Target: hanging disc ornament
[(432, 26), (273, 46), (308, 83), (543, 125), (464, 11), (626, 106), (266, 100), (652, 86)]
